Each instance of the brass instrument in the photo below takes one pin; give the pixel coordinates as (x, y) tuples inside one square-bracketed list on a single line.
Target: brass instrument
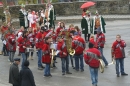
[(52, 47), (101, 67), (68, 41), (113, 60)]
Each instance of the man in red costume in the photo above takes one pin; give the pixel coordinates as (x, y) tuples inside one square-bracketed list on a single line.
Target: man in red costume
[(78, 44), (46, 58), (62, 49), (91, 57), (118, 54), (11, 42), (39, 41)]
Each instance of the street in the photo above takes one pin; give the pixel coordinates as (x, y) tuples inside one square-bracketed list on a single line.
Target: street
[(108, 78)]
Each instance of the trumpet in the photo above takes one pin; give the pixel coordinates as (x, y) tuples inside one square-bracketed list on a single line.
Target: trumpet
[(101, 67)]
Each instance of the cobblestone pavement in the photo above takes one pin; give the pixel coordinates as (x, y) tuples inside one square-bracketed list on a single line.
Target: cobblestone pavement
[(108, 78)]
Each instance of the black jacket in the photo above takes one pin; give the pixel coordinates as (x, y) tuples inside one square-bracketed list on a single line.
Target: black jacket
[(26, 77), (14, 74)]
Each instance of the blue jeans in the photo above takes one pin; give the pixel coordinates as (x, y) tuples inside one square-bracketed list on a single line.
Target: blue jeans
[(77, 59), (24, 59), (121, 62), (39, 58), (103, 58), (65, 64), (94, 75), (11, 56), (47, 70)]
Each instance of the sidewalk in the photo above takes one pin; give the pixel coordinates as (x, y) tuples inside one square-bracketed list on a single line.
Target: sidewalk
[(77, 18)]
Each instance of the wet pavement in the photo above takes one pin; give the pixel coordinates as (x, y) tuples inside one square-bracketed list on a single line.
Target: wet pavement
[(108, 78)]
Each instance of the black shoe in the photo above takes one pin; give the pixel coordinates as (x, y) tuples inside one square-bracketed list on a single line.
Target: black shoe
[(73, 67), (82, 70), (68, 73), (77, 69), (45, 75), (63, 74), (50, 75), (124, 74), (118, 75), (40, 68)]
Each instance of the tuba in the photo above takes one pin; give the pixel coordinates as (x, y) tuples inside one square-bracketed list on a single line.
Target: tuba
[(68, 41), (101, 67)]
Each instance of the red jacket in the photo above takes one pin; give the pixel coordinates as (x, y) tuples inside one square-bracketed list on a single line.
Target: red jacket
[(23, 42), (78, 44), (118, 49), (100, 40), (47, 33), (39, 41), (46, 58), (54, 36), (31, 38), (91, 40), (3, 29), (91, 57), (58, 31), (11, 43), (61, 47)]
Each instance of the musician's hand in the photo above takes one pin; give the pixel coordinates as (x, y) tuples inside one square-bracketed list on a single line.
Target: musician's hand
[(64, 53), (24, 47), (30, 46), (38, 48), (50, 53)]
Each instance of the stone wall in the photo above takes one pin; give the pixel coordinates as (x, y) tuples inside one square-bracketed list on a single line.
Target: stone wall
[(73, 8)]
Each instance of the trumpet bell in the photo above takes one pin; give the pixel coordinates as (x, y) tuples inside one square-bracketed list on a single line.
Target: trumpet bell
[(101, 67), (71, 51)]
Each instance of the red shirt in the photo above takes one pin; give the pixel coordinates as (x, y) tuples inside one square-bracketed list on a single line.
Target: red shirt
[(118, 49), (39, 41), (91, 57), (100, 40), (46, 58), (61, 47), (78, 44)]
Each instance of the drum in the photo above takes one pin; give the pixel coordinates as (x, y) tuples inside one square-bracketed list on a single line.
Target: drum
[(29, 49)]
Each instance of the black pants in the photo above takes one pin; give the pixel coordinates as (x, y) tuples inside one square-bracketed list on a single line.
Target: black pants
[(15, 85), (86, 37), (5, 51)]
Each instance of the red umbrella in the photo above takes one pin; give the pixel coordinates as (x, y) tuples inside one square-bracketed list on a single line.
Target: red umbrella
[(87, 4), (1, 4)]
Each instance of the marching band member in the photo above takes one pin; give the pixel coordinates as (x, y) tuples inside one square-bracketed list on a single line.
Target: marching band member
[(19, 34), (31, 37), (71, 27), (47, 32), (118, 54), (11, 42), (60, 29), (46, 58), (61, 47), (92, 40), (100, 41), (23, 44), (76, 28), (39, 41), (91, 57), (79, 45)]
